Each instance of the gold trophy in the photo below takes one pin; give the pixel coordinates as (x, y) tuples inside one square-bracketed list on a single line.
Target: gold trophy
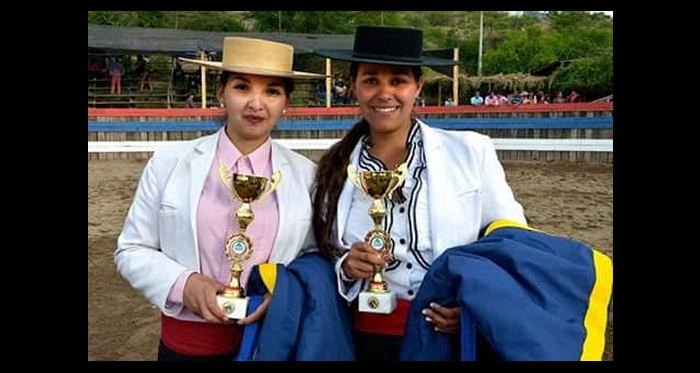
[(378, 298), (239, 247)]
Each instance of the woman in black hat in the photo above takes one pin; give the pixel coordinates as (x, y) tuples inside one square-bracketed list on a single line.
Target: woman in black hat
[(454, 187)]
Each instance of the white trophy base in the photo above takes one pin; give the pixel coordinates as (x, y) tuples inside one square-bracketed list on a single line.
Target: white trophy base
[(384, 303), (235, 308)]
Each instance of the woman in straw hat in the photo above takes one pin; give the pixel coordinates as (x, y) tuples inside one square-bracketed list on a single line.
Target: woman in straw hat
[(449, 174), (171, 247)]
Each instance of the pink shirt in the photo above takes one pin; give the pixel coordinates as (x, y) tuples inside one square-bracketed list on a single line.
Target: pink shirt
[(216, 221), (491, 101)]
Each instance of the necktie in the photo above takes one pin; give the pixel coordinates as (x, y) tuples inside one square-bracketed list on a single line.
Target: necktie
[(243, 166)]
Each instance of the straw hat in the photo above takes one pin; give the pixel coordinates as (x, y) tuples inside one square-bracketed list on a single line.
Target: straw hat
[(387, 45), (256, 56)]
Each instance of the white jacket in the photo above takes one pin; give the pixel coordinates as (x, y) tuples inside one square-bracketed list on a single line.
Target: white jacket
[(158, 240), (467, 189)]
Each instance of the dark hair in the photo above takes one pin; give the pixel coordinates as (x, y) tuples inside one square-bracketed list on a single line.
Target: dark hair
[(331, 175), (287, 82)]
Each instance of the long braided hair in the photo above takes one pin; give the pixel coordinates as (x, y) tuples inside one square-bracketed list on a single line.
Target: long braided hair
[(331, 175)]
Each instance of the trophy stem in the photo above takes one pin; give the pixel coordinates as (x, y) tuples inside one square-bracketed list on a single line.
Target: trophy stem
[(377, 210), (233, 300), (244, 215), (234, 289), (378, 285)]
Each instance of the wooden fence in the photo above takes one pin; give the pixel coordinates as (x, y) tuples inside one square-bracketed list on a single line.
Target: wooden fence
[(553, 121)]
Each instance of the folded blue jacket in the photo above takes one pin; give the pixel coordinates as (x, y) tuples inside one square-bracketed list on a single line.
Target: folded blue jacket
[(533, 296), (307, 319)]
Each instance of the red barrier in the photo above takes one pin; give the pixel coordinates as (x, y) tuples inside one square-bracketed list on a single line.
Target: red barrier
[(353, 110)]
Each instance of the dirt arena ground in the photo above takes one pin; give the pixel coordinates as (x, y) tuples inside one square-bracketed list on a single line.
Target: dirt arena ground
[(573, 200)]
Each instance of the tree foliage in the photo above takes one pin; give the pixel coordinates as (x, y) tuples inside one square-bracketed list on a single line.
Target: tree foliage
[(209, 21), (511, 44), (129, 19), (321, 22), (523, 52), (571, 20), (190, 20), (582, 38), (592, 77)]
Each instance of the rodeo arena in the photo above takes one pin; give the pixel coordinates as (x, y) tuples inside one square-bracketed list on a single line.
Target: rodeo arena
[(558, 154)]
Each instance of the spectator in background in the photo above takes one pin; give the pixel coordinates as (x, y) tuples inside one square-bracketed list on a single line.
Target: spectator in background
[(529, 98), (116, 71), (140, 66), (178, 73), (94, 69), (189, 102), (477, 100), (518, 98), (559, 98), (194, 80), (340, 92), (492, 100), (321, 94), (143, 72), (574, 97)]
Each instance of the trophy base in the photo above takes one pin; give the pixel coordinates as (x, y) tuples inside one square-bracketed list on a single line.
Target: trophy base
[(384, 303), (235, 308)]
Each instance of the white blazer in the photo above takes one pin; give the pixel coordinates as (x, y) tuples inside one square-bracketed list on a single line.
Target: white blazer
[(158, 240), (467, 188)]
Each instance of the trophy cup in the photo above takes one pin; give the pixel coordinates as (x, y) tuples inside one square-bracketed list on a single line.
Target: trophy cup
[(239, 247), (378, 298)]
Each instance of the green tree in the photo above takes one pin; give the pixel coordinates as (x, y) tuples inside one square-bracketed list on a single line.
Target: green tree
[(320, 22), (523, 52), (129, 19), (376, 18), (592, 77), (511, 44), (209, 21), (573, 20), (416, 19), (582, 42)]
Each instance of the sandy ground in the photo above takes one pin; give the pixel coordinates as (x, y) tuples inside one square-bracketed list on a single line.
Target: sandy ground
[(573, 200)]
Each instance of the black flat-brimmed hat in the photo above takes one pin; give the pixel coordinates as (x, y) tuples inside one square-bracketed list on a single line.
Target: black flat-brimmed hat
[(387, 45)]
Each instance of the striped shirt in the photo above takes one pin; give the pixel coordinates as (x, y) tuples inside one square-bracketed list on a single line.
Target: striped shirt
[(406, 221)]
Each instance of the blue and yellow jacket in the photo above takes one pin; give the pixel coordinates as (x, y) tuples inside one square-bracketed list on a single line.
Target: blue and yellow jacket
[(307, 319), (533, 296)]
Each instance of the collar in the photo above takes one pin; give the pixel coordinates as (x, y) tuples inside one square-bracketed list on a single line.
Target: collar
[(228, 154), (414, 136)]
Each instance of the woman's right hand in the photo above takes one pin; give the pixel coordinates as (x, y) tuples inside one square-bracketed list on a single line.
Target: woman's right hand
[(361, 261), (199, 296)]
